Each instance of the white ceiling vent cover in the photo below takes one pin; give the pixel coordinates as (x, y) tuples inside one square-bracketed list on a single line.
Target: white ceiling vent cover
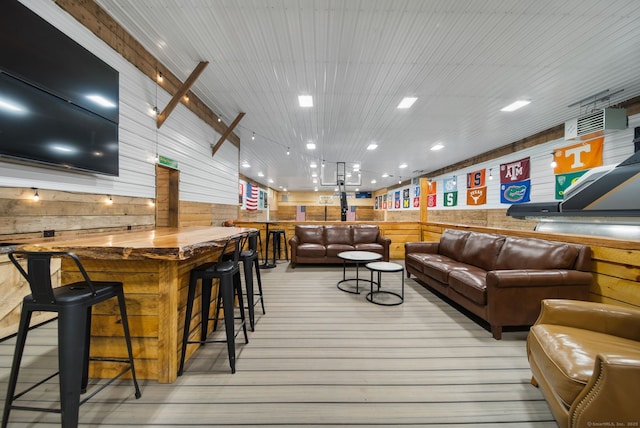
[(596, 123)]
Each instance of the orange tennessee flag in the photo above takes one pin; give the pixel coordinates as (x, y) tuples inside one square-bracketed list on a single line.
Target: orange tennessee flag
[(579, 156)]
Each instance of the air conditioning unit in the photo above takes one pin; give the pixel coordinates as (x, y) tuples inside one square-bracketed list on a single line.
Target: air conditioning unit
[(595, 124)]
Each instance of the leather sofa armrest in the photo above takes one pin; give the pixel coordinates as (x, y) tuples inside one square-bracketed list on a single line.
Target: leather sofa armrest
[(605, 318), (537, 278), (293, 241), (421, 247), (611, 396)]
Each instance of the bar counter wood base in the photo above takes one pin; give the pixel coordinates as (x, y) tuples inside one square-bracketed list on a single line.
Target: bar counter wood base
[(154, 267)]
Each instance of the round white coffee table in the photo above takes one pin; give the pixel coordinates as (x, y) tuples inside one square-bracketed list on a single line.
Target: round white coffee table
[(380, 267), (357, 257)]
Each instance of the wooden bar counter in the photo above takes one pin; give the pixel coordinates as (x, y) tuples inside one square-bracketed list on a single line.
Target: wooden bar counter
[(154, 267)]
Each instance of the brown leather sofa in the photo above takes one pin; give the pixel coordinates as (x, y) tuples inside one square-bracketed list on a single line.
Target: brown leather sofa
[(501, 279), (585, 358), (322, 243)]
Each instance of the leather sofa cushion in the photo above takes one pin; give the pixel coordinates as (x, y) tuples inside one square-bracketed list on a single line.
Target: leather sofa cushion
[(566, 355), (471, 282), (372, 246), (334, 249), (365, 233), (452, 243), (440, 269), (334, 234), (481, 249), (309, 234), (311, 250), (416, 260), (531, 253)]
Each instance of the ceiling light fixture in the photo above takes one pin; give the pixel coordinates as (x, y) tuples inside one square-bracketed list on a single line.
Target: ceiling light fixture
[(305, 100), (311, 146), (407, 102), (313, 165), (160, 78), (437, 146), (403, 165), (515, 105), (372, 146)]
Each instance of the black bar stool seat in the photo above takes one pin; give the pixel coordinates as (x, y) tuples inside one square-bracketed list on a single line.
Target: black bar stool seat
[(73, 303), (277, 237), (250, 261), (227, 271)]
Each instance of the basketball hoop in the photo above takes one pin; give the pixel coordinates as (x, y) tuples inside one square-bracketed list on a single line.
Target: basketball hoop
[(325, 200)]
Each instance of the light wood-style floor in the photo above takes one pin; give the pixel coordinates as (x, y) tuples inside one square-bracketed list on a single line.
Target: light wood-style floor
[(321, 357)]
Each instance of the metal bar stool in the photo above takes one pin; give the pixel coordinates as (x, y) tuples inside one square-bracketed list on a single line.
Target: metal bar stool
[(73, 303), (250, 259), (228, 273), (276, 236)]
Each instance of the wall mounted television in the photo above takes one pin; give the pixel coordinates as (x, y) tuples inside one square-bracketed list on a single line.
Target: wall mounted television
[(58, 101)]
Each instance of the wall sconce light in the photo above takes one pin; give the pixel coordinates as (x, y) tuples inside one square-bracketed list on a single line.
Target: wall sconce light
[(553, 162), (455, 180), (186, 98), (159, 78), (36, 197), (288, 151), (253, 137), (152, 203), (490, 173), (110, 200)]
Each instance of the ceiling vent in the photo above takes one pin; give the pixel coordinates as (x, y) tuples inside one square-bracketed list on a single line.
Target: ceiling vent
[(595, 124)]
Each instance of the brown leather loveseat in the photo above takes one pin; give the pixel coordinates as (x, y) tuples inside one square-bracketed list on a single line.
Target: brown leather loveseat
[(585, 358), (322, 243), (501, 279)]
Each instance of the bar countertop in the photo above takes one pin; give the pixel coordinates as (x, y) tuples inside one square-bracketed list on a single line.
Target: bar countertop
[(168, 243)]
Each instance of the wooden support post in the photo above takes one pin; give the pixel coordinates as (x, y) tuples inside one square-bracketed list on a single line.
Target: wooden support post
[(181, 92), (227, 133)]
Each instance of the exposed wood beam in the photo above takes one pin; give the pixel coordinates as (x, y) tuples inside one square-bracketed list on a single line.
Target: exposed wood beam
[(227, 132), (181, 92)]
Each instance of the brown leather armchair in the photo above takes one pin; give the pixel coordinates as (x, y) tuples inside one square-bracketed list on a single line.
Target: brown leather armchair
[(585, 358)]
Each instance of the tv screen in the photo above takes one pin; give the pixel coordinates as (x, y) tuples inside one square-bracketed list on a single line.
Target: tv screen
[(58, 101)]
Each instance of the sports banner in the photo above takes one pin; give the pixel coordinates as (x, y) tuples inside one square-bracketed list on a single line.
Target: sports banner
[(515, 193), (451, 199), (431, 188), (431, 200), (577, 157), (515, 171), (476, 179), (477, 196), (450, 184), (565, 180)]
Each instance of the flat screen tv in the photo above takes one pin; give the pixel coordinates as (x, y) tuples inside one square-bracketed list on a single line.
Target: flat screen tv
[(58, 101)]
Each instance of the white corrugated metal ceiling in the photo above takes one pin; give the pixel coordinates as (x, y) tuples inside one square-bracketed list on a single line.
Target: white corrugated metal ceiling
[(463, 60)]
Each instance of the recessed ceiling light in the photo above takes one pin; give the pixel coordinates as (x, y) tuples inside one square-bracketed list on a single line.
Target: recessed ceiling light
[(407, 102), (313, 165), (314, 175), (305, 100), (403, 165), (260, 174), (271, 180), (311, 146), (315, 189), (245, 164), (437, 146), (372, 146), (373, 181), (516, 105), (385, 175)]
